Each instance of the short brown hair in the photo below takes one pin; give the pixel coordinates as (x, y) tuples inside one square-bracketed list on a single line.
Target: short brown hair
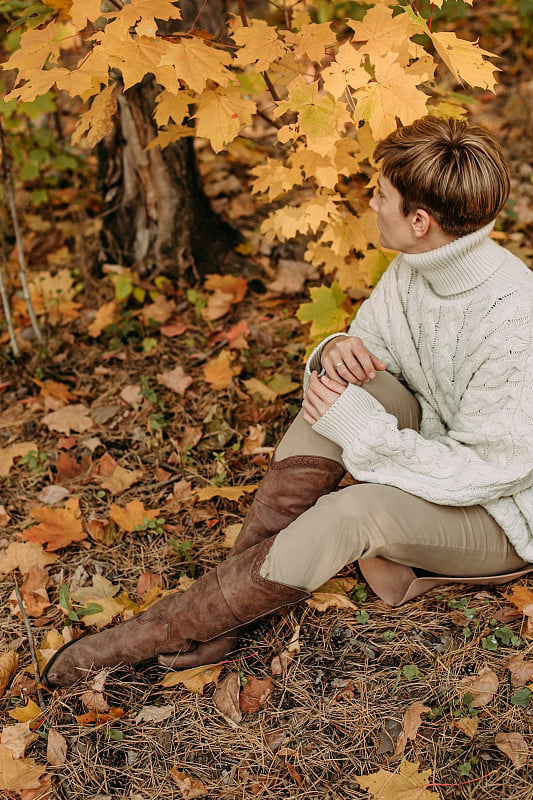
[(454, 171)]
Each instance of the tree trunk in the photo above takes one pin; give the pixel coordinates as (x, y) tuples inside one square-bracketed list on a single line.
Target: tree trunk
[(157, 216)]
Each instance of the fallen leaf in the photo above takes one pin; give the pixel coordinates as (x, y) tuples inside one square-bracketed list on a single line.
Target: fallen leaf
[(194, 679), (218, 372), (55, 390), (146, 582), (99, 680), (226, 699), (228, 492), (18, 737), (282, 384), (8, 664), (521, 670), (130, 517), (176, 380), (482, 686), (154, 713), (105, 316), (280, 663), (25, 713), (93, 717), (68, 468), (53, 494), (292, 276), (467, 725), (189, 787), (412, 719), (218, 305), (114, 478), (254, 694), (100, 594), (56, 748), (274, 739), (44, 791), (17, 774), (333, 595), (231, 533), (513, 745), (254, 441), (256, 387), (94, 701), (4, 517), (33, 593), (132, 395), (160, 310), (24, 556), (69, 418), (58, 527), (172, 330), (9, 454), (406, 784), (522, 598)]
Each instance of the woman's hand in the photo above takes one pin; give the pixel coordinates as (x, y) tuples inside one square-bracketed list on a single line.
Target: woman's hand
[(346, 358), (320, 396)]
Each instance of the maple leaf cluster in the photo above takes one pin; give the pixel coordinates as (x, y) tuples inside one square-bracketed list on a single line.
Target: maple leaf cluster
[(335, 92)]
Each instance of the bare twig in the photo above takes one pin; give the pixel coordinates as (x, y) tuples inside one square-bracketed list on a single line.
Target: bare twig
[(10, 191), (266, 77), (7, 312), (35, 663)]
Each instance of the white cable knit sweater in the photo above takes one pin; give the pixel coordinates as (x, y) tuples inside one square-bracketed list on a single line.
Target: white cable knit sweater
[(456, 324)]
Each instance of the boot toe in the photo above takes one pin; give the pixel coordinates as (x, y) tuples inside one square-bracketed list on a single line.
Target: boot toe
[(63, 669)]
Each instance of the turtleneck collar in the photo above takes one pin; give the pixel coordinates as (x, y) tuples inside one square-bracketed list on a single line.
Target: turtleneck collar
[(460, 265)]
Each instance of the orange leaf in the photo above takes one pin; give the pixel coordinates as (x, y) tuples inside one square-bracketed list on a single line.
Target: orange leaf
[(522, 598), (229, 284), (113, 477), (8, 664), (9, 454), (93, 717), (105, 316), (218, 371), (254, 694), (189, 787), (229, 492), (17, 774), (33, 592), (131, 516), (58, 527)]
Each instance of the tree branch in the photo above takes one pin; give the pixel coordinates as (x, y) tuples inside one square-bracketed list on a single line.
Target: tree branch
[(7, 312), (40, 695)]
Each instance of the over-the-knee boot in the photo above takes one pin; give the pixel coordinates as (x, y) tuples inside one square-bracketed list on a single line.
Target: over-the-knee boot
[(232, 594), (289, 488)]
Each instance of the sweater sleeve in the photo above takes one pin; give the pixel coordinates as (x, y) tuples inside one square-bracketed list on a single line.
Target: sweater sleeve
[(486, 454)]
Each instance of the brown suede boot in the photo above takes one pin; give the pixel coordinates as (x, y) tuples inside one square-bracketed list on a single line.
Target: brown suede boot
[(289, 488), (223, 599)]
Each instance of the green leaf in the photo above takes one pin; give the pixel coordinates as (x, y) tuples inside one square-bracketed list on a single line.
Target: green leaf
[(115, 735), (149, 344), (362, 617), (410, 672), (489, 643), (123, 287), (91, 608), (64, 598), (324, 312), (522, 698)]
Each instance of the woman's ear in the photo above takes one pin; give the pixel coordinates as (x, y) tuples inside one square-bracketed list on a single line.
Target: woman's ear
[(421, 222)]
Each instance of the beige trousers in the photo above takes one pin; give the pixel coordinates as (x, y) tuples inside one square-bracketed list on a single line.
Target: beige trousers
[(370, 520)]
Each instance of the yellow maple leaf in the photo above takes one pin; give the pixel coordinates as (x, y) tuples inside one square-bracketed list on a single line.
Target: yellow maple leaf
[(408, 783), (382, 32), (25, 713), (38, 82), (221, 114), (85, 80), (142, 15), (465, 60), (333, 595), (314, 165), (346, 71), (259, 44), (172, 134), (24, 556), (36, 47), (135, 57), (97, 121), (105, 316), (195, 62), (133, 515), (394, 94), (18, 774), (320, 118), (102, 596), (194, 679), (218, 372), (274, 179), (228, 492), (83, 11), (256, 387), (312, 40), (171, 106)]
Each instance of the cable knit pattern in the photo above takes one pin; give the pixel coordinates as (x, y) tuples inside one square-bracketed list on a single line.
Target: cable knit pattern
[(456, 324)]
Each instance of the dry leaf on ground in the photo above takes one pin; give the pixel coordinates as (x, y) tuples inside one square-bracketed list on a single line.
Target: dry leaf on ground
[(333, 595), (254, 694), (58, 527), (8, 664), (113, 477), (189, 787), (406, 784), (522, 598), (513, 745), (280, 663), (146, 582), (412, 720), (4, 517), (101, 593), (94, 701), (17, 738), (228, 492), (17, 774), (154, 713), (53, 494), (69, 418), (176, 380), (254, 441), (467, 725), (133, 515), (160, 310), (521, 670), (218, 372), (24, 556), (292, 276), (25, 713), (195, 679), (56, 748), (105, 316), (33, 593), (482, 687), (231, 532), (226, 699), (9, 454)]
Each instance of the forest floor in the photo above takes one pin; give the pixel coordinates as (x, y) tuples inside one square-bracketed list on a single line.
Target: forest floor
[(444, 681)]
